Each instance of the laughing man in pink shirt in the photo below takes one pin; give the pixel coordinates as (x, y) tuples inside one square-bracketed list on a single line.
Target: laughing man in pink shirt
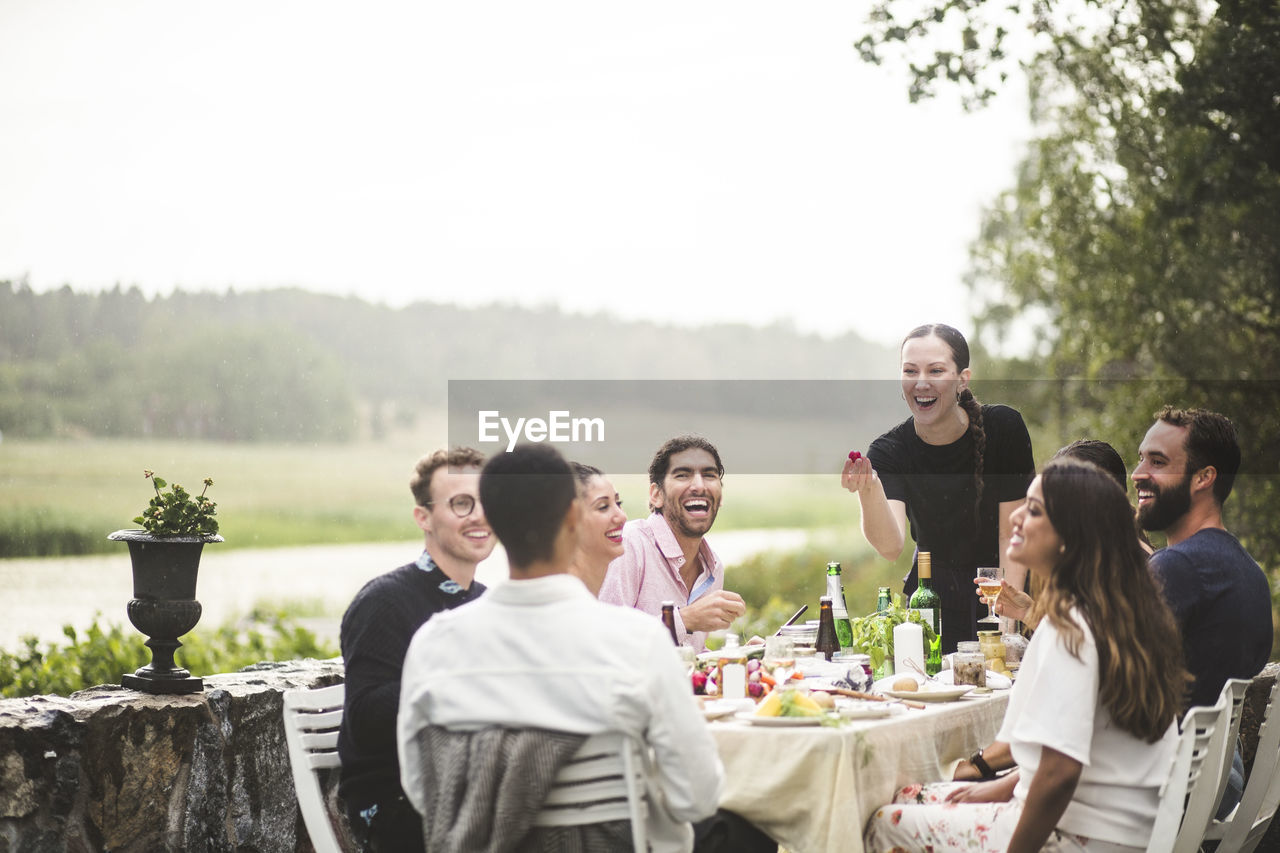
[(666, 557)]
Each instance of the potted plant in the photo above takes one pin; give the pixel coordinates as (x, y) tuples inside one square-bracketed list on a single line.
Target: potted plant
[(166, 556)]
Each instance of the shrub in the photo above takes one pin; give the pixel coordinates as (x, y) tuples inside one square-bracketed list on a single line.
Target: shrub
[(102, 654)]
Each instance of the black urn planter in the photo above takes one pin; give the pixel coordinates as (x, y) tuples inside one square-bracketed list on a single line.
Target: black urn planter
[(164, 605)]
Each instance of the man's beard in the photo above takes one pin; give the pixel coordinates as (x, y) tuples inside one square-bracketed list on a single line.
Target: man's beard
[(1167, 506)]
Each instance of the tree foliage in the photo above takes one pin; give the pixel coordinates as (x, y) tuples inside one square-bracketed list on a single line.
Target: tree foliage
[(287, 365), (1139, 242)]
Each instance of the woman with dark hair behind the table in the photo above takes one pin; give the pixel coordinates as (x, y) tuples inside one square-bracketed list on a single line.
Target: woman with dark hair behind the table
[(955, 470)]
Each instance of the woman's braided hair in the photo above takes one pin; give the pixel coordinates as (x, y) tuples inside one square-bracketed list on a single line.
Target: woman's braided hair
[(960, 355)]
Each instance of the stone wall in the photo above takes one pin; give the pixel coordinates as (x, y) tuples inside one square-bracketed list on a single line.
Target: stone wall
[(114, 769)]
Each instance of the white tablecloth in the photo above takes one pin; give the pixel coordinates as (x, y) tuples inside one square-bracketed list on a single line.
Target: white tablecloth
[(813, 788)]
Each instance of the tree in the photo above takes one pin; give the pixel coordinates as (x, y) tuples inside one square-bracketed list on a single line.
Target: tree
[(1139, 241)]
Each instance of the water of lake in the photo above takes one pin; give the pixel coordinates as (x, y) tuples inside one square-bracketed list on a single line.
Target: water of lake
[(39, 596)]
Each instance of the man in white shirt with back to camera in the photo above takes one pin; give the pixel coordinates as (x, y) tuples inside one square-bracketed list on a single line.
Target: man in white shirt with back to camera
[(541, 652)]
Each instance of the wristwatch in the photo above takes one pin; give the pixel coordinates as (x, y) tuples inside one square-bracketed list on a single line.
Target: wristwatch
[(983, 767)]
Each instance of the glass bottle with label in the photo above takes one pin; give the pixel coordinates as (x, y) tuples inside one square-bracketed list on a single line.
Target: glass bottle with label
[(731, 669), (839, 610), (928, 604), (827, 643)]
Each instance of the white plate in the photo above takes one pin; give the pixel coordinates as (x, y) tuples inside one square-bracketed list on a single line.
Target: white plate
[(935, 695), (718, 708), (750, 717), (861, 710)]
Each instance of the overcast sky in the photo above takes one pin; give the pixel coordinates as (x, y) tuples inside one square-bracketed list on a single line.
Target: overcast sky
[(695, 161)]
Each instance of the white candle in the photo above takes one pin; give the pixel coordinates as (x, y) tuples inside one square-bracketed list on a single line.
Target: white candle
[(908, 644)]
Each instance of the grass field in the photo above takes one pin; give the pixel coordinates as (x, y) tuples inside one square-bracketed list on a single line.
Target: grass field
[(64, 497)]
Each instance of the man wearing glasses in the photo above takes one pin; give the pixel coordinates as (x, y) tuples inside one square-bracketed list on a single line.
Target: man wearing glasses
[(375, 635)]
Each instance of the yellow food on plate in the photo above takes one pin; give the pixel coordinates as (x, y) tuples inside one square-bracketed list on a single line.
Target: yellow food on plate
[(823, 700), (790, 703), (800, 705), (906, 684), (771, 706)]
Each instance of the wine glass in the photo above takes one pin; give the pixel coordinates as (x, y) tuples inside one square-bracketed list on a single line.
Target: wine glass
[(989, 578), (779, 658)]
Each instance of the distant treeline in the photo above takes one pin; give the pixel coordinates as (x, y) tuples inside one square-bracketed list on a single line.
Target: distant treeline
[(289, 365)]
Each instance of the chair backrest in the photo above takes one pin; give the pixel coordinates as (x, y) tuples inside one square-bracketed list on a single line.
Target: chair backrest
[(1233, 691), (311, 721), (1193, 747), (604, 781), (1204, 792), (1243, 829), (1202, 776)]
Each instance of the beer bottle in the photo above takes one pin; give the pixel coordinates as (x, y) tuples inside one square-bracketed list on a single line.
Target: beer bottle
[(883, 600), (669, 619), (827, 643), (928, 604), (839, 610)]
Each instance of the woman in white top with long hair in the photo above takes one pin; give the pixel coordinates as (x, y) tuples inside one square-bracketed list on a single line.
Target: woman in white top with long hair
[(1091, 722)]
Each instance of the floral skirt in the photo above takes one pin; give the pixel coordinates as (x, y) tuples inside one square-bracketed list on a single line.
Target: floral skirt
[(920, 819)]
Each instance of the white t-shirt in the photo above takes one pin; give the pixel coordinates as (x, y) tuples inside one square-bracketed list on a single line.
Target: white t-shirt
[(1055, 704), (544, 653)]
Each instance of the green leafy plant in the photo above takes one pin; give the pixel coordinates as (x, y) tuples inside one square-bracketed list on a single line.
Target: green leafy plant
[(101, 653), (873, 633), (176, 512)]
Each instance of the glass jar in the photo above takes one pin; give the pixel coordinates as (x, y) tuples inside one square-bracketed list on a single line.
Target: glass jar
[(856, 669), (992, 649), (803, 637), (1015, 646), (969, 664)]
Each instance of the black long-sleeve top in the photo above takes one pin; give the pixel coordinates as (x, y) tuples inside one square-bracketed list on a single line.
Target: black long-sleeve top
[(375, 635)]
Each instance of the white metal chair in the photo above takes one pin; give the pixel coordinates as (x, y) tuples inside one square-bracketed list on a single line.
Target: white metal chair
[(311, 721), (1186, 776), (604, 781), (1204, 799), (1242, 830)]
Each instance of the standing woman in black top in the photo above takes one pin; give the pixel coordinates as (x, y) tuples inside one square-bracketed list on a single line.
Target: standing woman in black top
[(956, 470)]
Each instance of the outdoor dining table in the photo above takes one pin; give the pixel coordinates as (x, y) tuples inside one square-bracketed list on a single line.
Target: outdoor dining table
[(812, 788)]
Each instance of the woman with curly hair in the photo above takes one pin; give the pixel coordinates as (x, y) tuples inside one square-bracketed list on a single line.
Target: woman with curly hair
[(1092, 721), (955, 469)]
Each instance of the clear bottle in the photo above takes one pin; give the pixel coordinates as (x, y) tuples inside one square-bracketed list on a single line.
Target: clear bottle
[(928, 604), (731, 669), (828, 643), (839, 610), (669, 619)]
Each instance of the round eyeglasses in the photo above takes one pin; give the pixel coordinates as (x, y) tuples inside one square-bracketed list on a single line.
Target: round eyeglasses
[(462, 505)]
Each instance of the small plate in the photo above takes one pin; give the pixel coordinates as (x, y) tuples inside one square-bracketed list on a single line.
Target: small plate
[(750, 717), (948, 695), (860, 710), (720, 708)]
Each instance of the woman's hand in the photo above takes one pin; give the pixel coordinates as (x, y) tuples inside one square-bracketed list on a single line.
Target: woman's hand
[(1010, 603), (996, 791), (858, 476)]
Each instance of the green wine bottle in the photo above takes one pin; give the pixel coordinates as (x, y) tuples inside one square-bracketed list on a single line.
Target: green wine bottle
[(839, 609), (928, 604)]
